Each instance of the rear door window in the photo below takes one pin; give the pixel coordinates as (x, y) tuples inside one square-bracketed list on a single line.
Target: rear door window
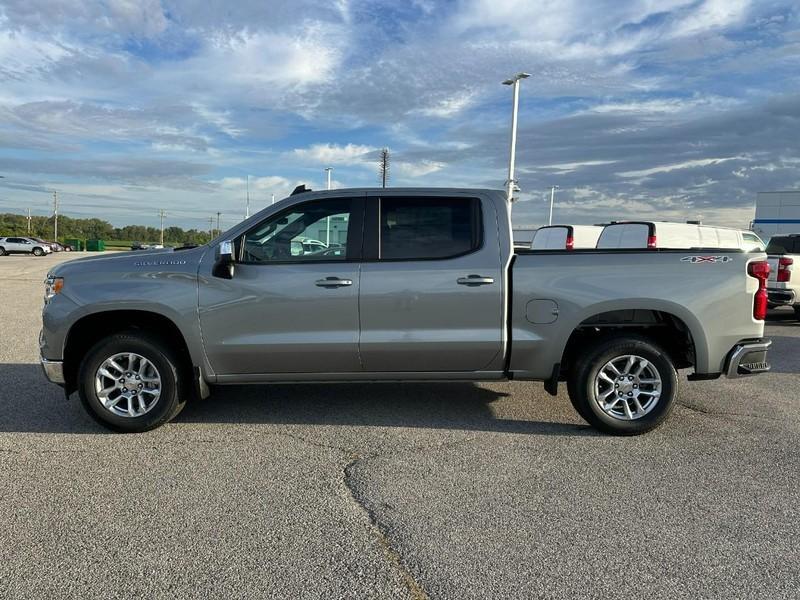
[(421, 228)]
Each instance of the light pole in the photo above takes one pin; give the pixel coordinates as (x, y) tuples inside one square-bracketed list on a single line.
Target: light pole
[(552, 197), (161, 216), (55, 216), (247, 204), (511, 183), (328, 218)]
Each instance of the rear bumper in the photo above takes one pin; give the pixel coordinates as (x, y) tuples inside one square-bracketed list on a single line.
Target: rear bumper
[(53, 370), (781, 297), (748, 357)]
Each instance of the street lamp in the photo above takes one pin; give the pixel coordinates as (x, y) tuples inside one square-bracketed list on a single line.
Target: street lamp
[(552, 197), (511, 182), (247, 201), (328, 219)]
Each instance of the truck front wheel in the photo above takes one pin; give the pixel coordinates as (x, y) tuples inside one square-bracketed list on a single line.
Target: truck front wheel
[(624, 385), (131, 382)]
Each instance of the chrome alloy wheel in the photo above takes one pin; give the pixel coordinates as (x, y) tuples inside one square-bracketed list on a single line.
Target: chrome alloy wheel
[(127, 384), (627, 387)]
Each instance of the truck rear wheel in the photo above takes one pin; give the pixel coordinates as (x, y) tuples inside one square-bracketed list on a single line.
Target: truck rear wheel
[(131, 382), (625, 385)]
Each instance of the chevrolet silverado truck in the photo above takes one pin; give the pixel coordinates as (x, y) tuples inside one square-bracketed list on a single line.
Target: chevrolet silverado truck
[(409, 284)]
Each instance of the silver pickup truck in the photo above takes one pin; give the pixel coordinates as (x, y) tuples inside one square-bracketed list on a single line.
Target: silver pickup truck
[(405, 284)]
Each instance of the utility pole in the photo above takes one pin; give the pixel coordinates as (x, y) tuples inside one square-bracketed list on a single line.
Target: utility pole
[(211, 226), (161, 214), (218, 230), (511, 183), (247, 209), (29, 221), (328, 218), (552, 198), (55, 216), (383, 166)]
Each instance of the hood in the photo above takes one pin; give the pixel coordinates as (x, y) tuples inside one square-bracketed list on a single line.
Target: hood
[(160, 259)]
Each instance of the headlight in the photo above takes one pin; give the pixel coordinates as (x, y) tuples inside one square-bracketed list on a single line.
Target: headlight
[(52, 286)]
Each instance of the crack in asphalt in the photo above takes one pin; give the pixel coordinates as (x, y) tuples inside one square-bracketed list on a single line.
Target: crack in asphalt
[(380, 530), (728, 414)]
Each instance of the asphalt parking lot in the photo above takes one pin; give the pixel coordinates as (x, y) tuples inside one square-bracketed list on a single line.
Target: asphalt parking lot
[(391, 491)]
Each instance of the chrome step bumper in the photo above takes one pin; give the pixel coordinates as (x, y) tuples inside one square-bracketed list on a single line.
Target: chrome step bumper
[(53, 370), (748, 358)]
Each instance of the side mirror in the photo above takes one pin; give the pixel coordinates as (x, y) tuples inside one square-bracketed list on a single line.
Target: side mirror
[(224, 265)]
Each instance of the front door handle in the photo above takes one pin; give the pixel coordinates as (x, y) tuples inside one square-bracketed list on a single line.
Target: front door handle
[(472, 280), (333, 282)]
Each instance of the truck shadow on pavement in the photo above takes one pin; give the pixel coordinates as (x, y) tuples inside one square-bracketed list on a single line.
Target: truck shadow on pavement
[(29, 404)]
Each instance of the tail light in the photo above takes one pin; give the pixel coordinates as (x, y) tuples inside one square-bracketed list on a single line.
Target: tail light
[(570, 242), (651, 241), (784, 269), (760, 270)]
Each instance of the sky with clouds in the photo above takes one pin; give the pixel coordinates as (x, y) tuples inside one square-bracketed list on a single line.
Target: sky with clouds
[(668, 109)]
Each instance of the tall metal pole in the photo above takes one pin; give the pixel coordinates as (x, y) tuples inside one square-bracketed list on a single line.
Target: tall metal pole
[(552, 197), (247, 209), (211, 226), (55, 216), (29, 221), (328, 218), (161, 214), (511, 182), (218, 214), (273, 199)]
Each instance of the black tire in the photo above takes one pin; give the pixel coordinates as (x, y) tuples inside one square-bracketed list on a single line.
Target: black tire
[(174, 390), (38, 252), (797, 312), (581, 386), (2, 251)]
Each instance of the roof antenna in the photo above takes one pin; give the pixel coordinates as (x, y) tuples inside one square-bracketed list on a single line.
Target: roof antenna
[(300, 189)]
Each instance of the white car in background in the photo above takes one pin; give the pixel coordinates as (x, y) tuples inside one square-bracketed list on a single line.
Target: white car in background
[(565, 237), (21, 245), (666, 234)]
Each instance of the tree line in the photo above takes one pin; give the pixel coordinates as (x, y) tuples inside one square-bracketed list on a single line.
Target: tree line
[(96, 229)]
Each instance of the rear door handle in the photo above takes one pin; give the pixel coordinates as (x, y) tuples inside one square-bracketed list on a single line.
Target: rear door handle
[(474, 280), (333, 282)]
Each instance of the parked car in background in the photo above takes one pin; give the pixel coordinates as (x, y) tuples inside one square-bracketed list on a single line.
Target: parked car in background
[(667, 234), (428, 287), (143, 246), (21, 245), (52, 245), (783, 285), (565, 237)]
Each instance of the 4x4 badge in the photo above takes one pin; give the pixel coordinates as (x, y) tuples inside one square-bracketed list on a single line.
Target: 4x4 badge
[(706, 259)]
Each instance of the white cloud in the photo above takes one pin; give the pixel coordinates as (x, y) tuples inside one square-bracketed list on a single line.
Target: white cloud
[(417, 169), (689, 164), (334, 154), (449, 107)]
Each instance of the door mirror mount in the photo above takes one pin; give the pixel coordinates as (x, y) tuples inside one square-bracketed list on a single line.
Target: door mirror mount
[(224, 264)]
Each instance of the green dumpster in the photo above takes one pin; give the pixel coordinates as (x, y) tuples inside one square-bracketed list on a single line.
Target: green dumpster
[(95, 245), (75, 243)]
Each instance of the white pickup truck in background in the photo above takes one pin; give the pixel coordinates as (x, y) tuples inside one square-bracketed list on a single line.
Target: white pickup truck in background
[(783, 285)]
